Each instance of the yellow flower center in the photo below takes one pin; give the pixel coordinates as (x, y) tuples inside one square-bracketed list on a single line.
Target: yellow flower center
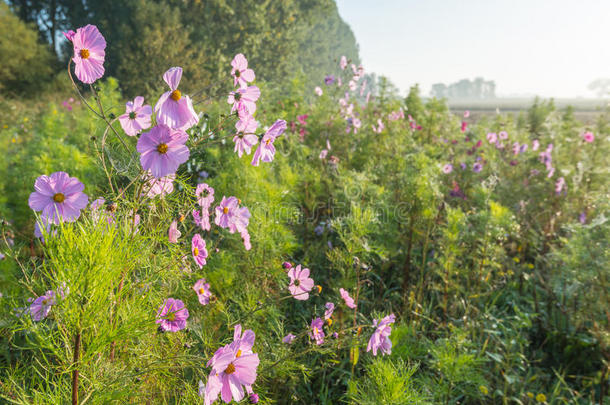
[(162, 148), (171, 317), (230, 369), (201, 291), (84, 53), (196, 252), (329, 321), (225, 210), (316, 330), (238, 201), (238, 353), (59, 198), (268, 141), (176, 95), (44, 302)]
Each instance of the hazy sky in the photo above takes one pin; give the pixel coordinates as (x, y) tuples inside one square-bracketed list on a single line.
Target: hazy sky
[(553, 48)]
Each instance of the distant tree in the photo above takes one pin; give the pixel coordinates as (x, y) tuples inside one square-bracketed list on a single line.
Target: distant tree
[(601, 87), (26, 64), (415, 106), (439, 90)]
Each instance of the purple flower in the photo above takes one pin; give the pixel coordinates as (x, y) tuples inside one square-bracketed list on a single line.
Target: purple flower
[(492, 137), (59, 197), (560, 185), (244, 98), (448, 168), (317, 331), (162, 150), (328, 80), (349, 301), (173, 233), (289, 338), (254, 398), (300, 283), (266, 150), (40, 308), (319, 230), (173, 109), (330, 307), (172, 315), (241, 74), (535, 144), (588, 137), (503, 135), (477, 167), (202, 288), (136, 117), (226, 211), (582, 217), (381, 336), (205, 195), (89, 53), (199, 251), (158, 186)]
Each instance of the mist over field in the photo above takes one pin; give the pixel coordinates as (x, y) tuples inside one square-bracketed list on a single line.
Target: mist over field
[(304, 202)]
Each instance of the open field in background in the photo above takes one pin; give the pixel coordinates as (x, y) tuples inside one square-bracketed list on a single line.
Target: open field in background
[(585, 110)]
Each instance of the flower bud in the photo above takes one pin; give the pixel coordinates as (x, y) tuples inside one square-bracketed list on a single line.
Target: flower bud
[(287, 265), (319, 287), (254, 398)]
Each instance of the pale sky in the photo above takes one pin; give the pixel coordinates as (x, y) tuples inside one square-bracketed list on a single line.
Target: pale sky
[(552, 48)]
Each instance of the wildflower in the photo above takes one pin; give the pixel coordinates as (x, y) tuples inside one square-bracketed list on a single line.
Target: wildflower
[(448, 168), (136, 117), (300, 283), (477, 167), (380, 127), (323, 153), (172, 315), (503, 135), (328, 80), (244, 98), (588, 137), (245, 236), (352, 85), (173, 109), (530, 394), (287, 265), (319, 230), (202, 288), (523, 148), (330, 307), (492, 137), (541, 398), (535, 144), (289, 338), (357, 124), (302, 119), (162, 150), (266, 151), (254, 398), (466, 114), (317, 331), (40, 308), (318, 91), (245, 139), (319, 288), (464, 125), (205, 195), (381, 337), (69, 35), (159, 186), (226, 211), (483, 389), (343, 62), (241, 74), (349, 301), (89, 53), (582, 218), (59, 197), (199, 251), (174, 233), (559, 185)]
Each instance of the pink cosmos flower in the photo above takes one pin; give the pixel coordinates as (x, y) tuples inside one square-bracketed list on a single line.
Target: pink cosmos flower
[(352, 85), (158, 187), (516, 148), (448, 168), (244, 140), (40, 308), (466, 114), (300, 283), (349, 301), (535, 144), (330, 308), (172, 315), (492, 137), (357, 124), (266, 151), (381, 336), (588, 137), (59, 197), (559, 185), (202, 288), (69, 35), (245, 236), (241, 74), (323, 153), (244, 98), (343, 62), (380, 127), (503, 135), (464, 125), (199, 251), (174, 233), (318, 91), (289, 338), (477, 167), (302, 119), (162, 150), (205, 195), (202, 219), (89, 53), (41, 225), (173, 109), (226, 211), (317, 331), (136, 117)]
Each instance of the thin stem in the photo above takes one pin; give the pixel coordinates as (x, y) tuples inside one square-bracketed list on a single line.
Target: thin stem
[(75, 371)]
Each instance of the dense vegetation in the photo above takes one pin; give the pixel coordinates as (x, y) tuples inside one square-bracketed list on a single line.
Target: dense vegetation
[(486, 240)]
